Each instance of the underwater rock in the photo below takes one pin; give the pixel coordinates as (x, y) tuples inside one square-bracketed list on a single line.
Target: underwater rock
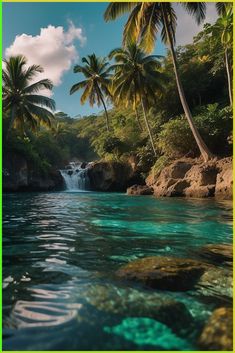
[(216, 282), (133, 303), (147, 332), (218, 333), (218, 253), (167, 273)]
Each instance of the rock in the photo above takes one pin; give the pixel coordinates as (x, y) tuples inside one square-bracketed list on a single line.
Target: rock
[(164, 272), (133, 303), (224, 181), (194, 178), (217, 335), (163, 183), (15, 175), (202, 178), (149, 334), (177, 189), (216, 282), (218, 253), (139, 190), (18, 175), (109, 176), (83, 165)]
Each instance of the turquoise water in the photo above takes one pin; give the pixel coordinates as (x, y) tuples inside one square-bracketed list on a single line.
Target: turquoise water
[(60, 253)]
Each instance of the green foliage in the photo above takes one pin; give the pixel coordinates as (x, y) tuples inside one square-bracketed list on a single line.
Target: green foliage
[(25, 107), (175, 139), (215, 125), (159, 165), (202, 71)]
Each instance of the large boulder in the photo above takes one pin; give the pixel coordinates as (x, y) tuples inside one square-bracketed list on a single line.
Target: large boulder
[(109, 176), (165, 273), (218, 253), (15, 172), (130, 302), (224, 181), (18, 175), (216, 283), (217, 335), (194, 178), (139, 190)]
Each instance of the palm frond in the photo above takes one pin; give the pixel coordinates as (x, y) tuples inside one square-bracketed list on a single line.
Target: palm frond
[(196, 9), (117, 9)]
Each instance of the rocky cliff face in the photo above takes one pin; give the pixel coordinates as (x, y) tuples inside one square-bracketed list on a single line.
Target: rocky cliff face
[(111, 176), (18, 176), (194, 178)]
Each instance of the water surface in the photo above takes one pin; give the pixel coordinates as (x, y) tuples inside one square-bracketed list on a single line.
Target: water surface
[(60, 248)]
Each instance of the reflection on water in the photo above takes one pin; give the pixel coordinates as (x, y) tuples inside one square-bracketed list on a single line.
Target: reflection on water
[(55, 245)]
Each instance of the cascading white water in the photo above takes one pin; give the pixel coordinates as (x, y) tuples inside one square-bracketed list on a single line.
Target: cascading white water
[(75, 177)]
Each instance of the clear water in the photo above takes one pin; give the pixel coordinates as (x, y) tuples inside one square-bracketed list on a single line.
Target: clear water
[(60, 253)]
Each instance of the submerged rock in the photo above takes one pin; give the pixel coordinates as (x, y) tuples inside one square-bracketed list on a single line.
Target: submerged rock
[(217, 283), (164, 272), (147, 332), (218, 253), (133, 303), (139, 190), (217, 335)]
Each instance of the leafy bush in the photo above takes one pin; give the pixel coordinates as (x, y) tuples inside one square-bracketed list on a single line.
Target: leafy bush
[(176, 139)]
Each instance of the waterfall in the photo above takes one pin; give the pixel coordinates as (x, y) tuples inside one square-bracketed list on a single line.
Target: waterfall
[(75, 177)]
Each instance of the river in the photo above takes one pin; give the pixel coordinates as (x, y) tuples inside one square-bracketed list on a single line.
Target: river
[(62, 248)]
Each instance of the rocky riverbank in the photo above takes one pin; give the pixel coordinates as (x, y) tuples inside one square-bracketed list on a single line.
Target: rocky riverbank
[(188, 177), (18, 175)]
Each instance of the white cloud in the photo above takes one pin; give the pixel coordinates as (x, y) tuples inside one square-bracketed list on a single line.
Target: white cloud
[(53, 49), (187, 28)]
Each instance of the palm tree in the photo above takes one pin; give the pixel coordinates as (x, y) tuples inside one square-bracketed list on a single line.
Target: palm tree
[(96, 84), (20, 96), (143, 25), (224, 29), (136, 79)]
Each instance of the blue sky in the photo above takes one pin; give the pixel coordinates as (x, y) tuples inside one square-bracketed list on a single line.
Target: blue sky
[(72, 30)]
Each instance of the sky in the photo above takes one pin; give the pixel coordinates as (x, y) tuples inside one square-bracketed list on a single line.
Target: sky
[(57, 35)]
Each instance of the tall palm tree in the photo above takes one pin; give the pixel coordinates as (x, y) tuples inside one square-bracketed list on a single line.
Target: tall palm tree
[(96, 84), (136, 79), (223, 28), (20, 96), (145, 21)]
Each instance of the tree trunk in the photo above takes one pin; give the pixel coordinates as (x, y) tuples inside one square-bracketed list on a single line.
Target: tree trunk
[(12, 119), (148, 127), (105, 110), (206, 154), (229, 77), (137, 116)]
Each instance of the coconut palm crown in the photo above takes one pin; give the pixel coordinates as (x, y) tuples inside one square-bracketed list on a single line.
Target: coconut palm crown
[(136, 80), (145, 21), (21, 95), (96, 84)]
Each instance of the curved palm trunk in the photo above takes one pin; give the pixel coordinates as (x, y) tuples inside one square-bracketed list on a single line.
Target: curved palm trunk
[(137, 116), (229, 77), (105, 110), (206, 154), (148, 127)]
